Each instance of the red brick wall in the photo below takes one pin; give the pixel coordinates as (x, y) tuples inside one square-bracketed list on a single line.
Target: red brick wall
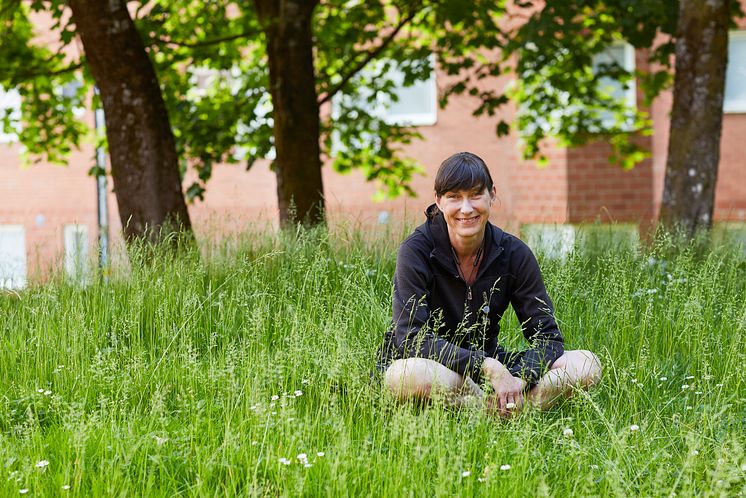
[(578, 185)]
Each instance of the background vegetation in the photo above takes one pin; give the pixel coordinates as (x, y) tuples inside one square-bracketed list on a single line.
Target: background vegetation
[(247, 372)]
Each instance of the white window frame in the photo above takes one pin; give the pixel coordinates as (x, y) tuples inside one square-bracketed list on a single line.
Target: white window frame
[(10, 99), (76, 252), (630, 93), (734, 106), (13, 266), (553, 240), (381, 109)]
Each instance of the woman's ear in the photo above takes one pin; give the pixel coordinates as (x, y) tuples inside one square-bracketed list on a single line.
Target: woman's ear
[(437, 202)]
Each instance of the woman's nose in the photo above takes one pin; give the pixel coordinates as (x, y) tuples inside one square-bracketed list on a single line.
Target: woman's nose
[(466, 206)]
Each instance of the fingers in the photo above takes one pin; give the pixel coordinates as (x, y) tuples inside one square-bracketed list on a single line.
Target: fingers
[(502, 401)]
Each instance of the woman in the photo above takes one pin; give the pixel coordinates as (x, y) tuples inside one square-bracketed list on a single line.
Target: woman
[(455, 276)]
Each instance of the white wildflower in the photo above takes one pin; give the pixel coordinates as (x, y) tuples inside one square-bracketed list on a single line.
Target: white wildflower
[(47, 392), (718, 385), (481, 479), (567, 432), (302, 457), (40, 391), (505, 466), (663, 379), (320, 453), (66, 487), (743, 467), (689, 377), (41, 464), (254, 443), (275, 397), (695, 452), (698, 392), (23, 491), (305, 381), (298, 393), (685, 386), (634, 428), (308, 465), (510, 406), (465, 473), (284, 461)]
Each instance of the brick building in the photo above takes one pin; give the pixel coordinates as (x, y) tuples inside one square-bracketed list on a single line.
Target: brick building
[(48, 212)]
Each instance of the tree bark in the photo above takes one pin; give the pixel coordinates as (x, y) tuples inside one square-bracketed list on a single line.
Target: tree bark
[(696, 115), (144, 163), (287, 26)]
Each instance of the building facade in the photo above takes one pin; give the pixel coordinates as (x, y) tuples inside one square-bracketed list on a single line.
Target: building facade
[(48, 213)]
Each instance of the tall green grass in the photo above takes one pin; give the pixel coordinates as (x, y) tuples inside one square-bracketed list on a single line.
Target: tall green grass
[(209, 376)]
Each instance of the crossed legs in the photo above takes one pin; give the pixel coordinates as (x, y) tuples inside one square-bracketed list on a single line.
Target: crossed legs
[(422, 379)]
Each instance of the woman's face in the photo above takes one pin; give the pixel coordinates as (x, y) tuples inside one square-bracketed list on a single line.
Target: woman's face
[(466, 211)]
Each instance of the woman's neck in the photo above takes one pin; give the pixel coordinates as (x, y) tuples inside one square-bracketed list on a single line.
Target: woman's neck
[(466, 248)]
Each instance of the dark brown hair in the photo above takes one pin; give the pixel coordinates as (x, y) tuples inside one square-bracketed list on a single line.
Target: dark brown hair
[(462, 171)]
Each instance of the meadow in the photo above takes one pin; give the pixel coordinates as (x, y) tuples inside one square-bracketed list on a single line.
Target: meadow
[(245, 371)]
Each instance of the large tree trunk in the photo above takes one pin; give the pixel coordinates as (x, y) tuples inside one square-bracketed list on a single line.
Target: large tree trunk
[(287, 26), (144, 163), (696, 115)]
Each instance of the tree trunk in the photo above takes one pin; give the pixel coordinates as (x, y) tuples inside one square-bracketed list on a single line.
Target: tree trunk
[(144, 163), (287, 26), (696, 115)]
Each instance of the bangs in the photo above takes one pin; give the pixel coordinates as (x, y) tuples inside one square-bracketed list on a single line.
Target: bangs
[(462, 171)]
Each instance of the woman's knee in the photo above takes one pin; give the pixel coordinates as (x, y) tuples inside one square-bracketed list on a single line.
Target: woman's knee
[(588, 368), (580, 367), (417, 377)]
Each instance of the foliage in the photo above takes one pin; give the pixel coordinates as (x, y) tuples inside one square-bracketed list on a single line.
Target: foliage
[(560, 92), (51, 94), (180, 378)]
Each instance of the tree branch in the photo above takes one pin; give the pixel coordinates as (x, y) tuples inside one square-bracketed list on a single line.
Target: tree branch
[(204, 43), (21, 77), (369, 56), (7, 7)]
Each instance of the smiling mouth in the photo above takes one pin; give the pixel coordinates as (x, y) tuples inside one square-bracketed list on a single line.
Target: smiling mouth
[(468, 220)]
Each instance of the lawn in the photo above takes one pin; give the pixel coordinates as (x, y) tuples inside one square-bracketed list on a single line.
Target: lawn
[(246, 372)]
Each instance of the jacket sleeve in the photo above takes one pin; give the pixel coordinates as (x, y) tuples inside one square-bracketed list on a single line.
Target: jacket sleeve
[(412, 338), (535, 312)]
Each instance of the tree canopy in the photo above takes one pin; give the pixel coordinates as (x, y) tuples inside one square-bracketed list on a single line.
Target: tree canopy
[(213, 67)]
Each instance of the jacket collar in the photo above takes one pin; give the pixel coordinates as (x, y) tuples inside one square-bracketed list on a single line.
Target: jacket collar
[(442, 252)]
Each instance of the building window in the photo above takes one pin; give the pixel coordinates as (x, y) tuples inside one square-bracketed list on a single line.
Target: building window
[(558, 241), (12, 257), (622, 54), (417, 105), (735, 76), (10, 106), (414, 105), (550, 240), (76, 252)]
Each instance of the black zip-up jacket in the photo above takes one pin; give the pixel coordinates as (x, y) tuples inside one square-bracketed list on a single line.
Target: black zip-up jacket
[(434, 316)]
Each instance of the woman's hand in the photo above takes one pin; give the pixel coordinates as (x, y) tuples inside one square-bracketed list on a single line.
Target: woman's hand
[(508, 396)]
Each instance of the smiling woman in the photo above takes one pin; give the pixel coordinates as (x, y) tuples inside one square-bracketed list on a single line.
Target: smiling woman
[(455, 277)]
